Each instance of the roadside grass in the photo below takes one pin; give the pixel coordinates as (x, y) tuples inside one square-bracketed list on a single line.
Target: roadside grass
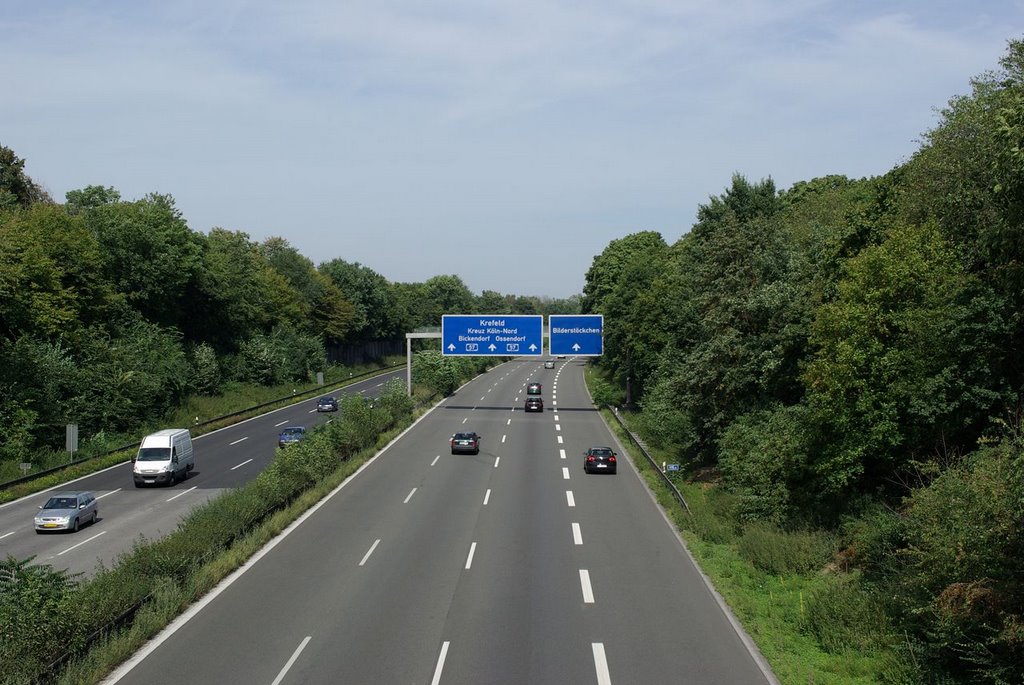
[(171, 599), (236, 398), (782, 610)]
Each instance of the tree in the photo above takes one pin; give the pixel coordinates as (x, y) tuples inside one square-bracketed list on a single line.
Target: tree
[(17, 189), (375, 308), (606, 270)]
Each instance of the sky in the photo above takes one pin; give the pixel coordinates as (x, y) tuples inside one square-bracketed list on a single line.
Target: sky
[(505, 142)]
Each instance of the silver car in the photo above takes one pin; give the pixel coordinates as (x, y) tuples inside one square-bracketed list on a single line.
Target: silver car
[(67, 511)]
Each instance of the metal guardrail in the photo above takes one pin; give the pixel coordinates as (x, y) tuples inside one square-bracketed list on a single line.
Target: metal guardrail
[(636, 441), (241, 412)]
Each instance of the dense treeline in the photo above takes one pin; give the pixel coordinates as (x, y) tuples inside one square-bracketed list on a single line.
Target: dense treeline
[(112, 311), (847, 354)]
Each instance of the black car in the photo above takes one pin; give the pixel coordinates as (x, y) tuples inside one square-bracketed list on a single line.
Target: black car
[(290, 436), (466, 443), (534, 404), (327, 404), (599, 460)]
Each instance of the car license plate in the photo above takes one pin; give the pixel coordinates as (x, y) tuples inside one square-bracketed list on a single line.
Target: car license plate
[(49, 525), (602, 466)]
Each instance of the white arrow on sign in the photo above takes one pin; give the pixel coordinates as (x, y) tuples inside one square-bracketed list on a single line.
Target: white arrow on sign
[(533, 348), (576, 347), (492, 347), (451, 347)]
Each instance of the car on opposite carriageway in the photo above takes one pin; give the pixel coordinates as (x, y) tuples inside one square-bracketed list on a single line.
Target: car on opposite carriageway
[(291, 436), (67, 511)]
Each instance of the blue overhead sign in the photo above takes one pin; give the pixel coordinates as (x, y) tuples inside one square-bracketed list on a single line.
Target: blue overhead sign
[(499, 335), (580, 334)]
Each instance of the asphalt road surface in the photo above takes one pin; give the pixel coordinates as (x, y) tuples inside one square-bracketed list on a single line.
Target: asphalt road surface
[(511, 566), (226, 458)]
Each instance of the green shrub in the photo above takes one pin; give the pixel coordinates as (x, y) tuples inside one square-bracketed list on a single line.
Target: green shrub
[(843, 616), (776, 551)]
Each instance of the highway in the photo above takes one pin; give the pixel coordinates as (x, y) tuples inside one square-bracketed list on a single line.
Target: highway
[(510, 566), (226, 458)]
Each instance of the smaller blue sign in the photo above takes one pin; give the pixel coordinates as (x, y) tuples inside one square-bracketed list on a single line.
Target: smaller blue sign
[(577, 334), (673, 467)]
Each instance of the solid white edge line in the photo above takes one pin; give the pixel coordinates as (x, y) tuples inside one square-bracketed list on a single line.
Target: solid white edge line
[(601, 664), (469, 559), (409, 496), (577, 534), (748, 642), (183, 492), (565, 473), (223, 585), (241, 465), (569, 498), (292, 660), (369, 551), (588, 592), (108, 493), (440, 663), (487, 498), (81, 543), (238, 441)]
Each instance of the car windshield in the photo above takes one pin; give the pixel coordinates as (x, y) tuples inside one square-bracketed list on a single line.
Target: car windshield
[(61, 503), (154, 454), (465, 436), (293, 431), (326, 400)]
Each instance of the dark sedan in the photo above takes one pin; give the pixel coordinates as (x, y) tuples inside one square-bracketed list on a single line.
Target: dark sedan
[(327, 404), (465, 443), (599, 460), (534, 404)]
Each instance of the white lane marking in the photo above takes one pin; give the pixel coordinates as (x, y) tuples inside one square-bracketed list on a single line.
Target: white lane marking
[(488, 390), (483, 398), (291, 662), (561, 454), (560, 441), (588, 592), (370, 551), (469, 559), (409, 496), (378, 385), (435, 460), (565, 473), (569, 498), (509, 422), (556, 417), (465, 419), (440, 664), (577, 534), (241, 465), (183, 492), (314, 410), (82, 543), (238, 441), (278, 425), (601, 664), (554, 404), (487, 498), (13, 532), (496, 460), (503, 438), (558, 426), (108, 493)]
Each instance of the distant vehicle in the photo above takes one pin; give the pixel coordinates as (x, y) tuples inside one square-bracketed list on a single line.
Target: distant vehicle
[(327, 404), (561, 356), (599, 460), (67, 511), (549, 364), (291, 435), (533, 389), (534, 404), (164, 457), (465, 443)]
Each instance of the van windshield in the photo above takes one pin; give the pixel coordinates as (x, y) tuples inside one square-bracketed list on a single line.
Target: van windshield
[(154, 454)]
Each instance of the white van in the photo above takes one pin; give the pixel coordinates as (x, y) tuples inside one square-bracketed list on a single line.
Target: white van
[(164, 457)]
